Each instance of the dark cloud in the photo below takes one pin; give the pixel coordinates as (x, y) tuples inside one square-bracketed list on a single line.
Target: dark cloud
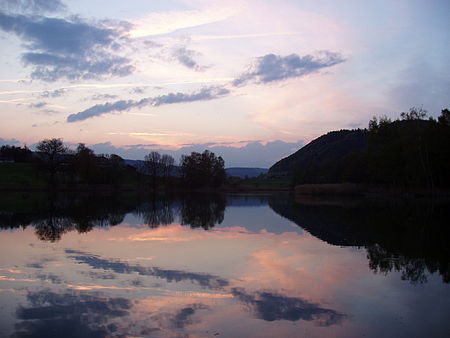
[(270, 307), (50, 67), (35, 265), (186, 58), (38, 105), (205, 94), (73, 314), (100, 109), (271, 67), (72, 49), (32, 6), (54, 93), (204, 280)]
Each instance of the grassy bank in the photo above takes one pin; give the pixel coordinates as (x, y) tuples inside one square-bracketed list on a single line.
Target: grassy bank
[(20, 176), (259, 184)]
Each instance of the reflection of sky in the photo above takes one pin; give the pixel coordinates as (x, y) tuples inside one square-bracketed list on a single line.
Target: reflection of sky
[(237, 213), (254, 275)]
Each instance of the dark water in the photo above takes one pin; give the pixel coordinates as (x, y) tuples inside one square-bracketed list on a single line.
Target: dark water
[(228, 266)]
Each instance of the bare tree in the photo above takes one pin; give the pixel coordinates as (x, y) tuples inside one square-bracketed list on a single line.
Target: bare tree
[(152, 164), (167, 163), (52, 149)]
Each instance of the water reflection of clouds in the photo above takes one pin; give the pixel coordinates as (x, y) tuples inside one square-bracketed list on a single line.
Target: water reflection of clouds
[(271, 306), (94, 261), (178, 233), (54, 314), (80, 314), (156, 310)]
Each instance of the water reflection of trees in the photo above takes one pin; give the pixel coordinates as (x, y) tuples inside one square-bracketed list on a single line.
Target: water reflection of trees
[(156, 212), (203, 211), (410, 237), (59, 214), (52, 216)]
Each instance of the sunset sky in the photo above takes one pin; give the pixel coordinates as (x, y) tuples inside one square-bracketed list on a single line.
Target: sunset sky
[(252, 81)]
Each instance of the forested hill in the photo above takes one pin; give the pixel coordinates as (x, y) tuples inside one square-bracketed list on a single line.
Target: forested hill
[(323, 150), (411, 152)]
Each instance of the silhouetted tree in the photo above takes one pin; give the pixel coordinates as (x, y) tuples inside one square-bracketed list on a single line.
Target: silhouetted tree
[(415, 113), (444, 118), (152, 163), (203, 170), (52, 150), (85, 163), (167, 163), (16, 154), (116, 169)]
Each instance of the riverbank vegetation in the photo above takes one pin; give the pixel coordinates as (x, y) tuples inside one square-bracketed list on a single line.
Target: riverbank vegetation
[(410, 153), (55, 166)]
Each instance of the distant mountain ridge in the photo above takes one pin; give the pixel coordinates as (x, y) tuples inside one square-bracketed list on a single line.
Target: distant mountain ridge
[(243, 172)]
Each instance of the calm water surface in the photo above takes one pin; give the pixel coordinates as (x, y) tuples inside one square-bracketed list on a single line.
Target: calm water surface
[(228, 266)]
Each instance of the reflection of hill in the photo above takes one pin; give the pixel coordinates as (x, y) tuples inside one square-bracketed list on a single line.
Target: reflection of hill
[(407, 237)]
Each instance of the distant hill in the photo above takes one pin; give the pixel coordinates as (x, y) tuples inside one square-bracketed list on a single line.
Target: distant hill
[(236, 171), (321, 152), (246, 172), (412, 153)]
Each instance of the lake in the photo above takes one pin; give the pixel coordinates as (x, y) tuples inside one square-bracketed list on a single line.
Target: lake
[(223, 266)]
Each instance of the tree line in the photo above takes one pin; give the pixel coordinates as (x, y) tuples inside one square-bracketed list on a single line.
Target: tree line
[(63, 166), (410, 152)]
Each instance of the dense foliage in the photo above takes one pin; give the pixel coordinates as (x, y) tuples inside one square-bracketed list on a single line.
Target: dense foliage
[(55, 165), (15, 154), (203, 170), (411, 152)]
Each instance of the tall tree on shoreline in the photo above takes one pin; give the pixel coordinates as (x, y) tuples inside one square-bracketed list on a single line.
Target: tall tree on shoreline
[(52, 151)]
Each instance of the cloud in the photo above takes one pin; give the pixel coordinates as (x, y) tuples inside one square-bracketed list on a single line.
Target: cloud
[(270, 307), (54, 93), (11, 141), (32, 6), (38, 105), (75, 314), (271, 67), (202, 279), (138, 90), (252, 154), (180, 318), (158, 23), (68, 49), (207, 93), (98, 97), (186, 58)]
